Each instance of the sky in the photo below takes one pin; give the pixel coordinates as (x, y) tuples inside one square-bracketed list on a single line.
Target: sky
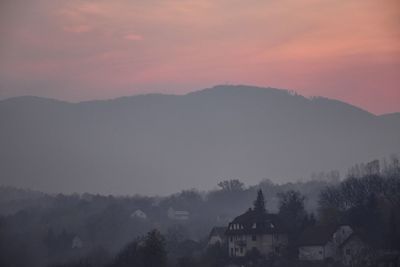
[(78, 50)]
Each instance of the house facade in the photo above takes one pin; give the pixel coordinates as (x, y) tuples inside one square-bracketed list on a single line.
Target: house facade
[(322, 242), (355, 251), (217, 235), (139, 214), (255, 231), (181, 215)]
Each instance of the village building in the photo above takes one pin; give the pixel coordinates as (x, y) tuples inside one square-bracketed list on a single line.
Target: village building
[(217, 235), (139, 214), (323, 242), (355, 251), (256, 231), (181, 215)]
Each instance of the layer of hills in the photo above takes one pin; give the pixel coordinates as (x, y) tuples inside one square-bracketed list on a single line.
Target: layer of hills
[(158, 144)]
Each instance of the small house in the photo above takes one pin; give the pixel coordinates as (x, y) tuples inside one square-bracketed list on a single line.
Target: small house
[(217, 235), (322, 242), (178, 214), (355, 251), (139, 214)]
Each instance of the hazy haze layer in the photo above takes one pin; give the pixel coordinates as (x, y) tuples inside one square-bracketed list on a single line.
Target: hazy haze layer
[(158, 144)]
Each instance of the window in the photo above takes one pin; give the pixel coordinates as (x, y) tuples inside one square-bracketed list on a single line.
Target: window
[(241, 250), (254, 237), (348, 251), (231, 251), (231, 239), (320, 252)]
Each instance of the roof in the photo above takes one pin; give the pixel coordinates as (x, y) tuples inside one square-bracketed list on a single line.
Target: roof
[(317, 235), (352, 236), (218, 231), (252, 222)]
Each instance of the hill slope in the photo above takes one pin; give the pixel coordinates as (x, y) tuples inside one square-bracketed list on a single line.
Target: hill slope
[(164, 143)]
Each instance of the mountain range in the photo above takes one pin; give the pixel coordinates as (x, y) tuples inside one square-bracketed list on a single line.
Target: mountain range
[(159, 144)]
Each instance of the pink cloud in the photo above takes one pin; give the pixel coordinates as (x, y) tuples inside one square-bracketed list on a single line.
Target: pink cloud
[(133, 37), (78, 28), (315, 47)]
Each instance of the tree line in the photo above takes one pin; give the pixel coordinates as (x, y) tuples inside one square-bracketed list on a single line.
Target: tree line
[(39, 233)]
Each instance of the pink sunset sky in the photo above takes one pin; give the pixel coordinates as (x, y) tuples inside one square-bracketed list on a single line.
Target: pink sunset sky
[(85, 49)]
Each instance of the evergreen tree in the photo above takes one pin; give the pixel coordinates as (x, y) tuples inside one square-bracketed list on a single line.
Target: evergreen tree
[(154, 252), (294, 217), (129, 256), (149, 252), (292, 212), (259, 203)]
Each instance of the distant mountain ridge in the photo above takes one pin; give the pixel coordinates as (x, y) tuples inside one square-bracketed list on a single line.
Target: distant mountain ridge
[(159, 144)]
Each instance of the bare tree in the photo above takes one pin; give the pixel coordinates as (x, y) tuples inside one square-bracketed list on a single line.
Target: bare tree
[(231, 185)]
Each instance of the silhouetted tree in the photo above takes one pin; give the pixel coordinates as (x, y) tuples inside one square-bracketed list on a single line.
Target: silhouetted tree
[(293, 216), (154, 253), (291, 207), (372, 168), (129, 256), (149, 252), (215, 256), (187, 261), (393, 236), (392, 190), (231, 185), (259, 203)]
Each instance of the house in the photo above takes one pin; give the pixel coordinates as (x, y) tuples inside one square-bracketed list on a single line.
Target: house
[(178, 214), (217, 235), (255, 231), (322, 242), (139, 214), (77, 243), (355, 251)]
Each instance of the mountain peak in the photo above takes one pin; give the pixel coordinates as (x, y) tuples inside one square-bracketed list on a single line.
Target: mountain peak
[(129, 145), (240, 89)]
